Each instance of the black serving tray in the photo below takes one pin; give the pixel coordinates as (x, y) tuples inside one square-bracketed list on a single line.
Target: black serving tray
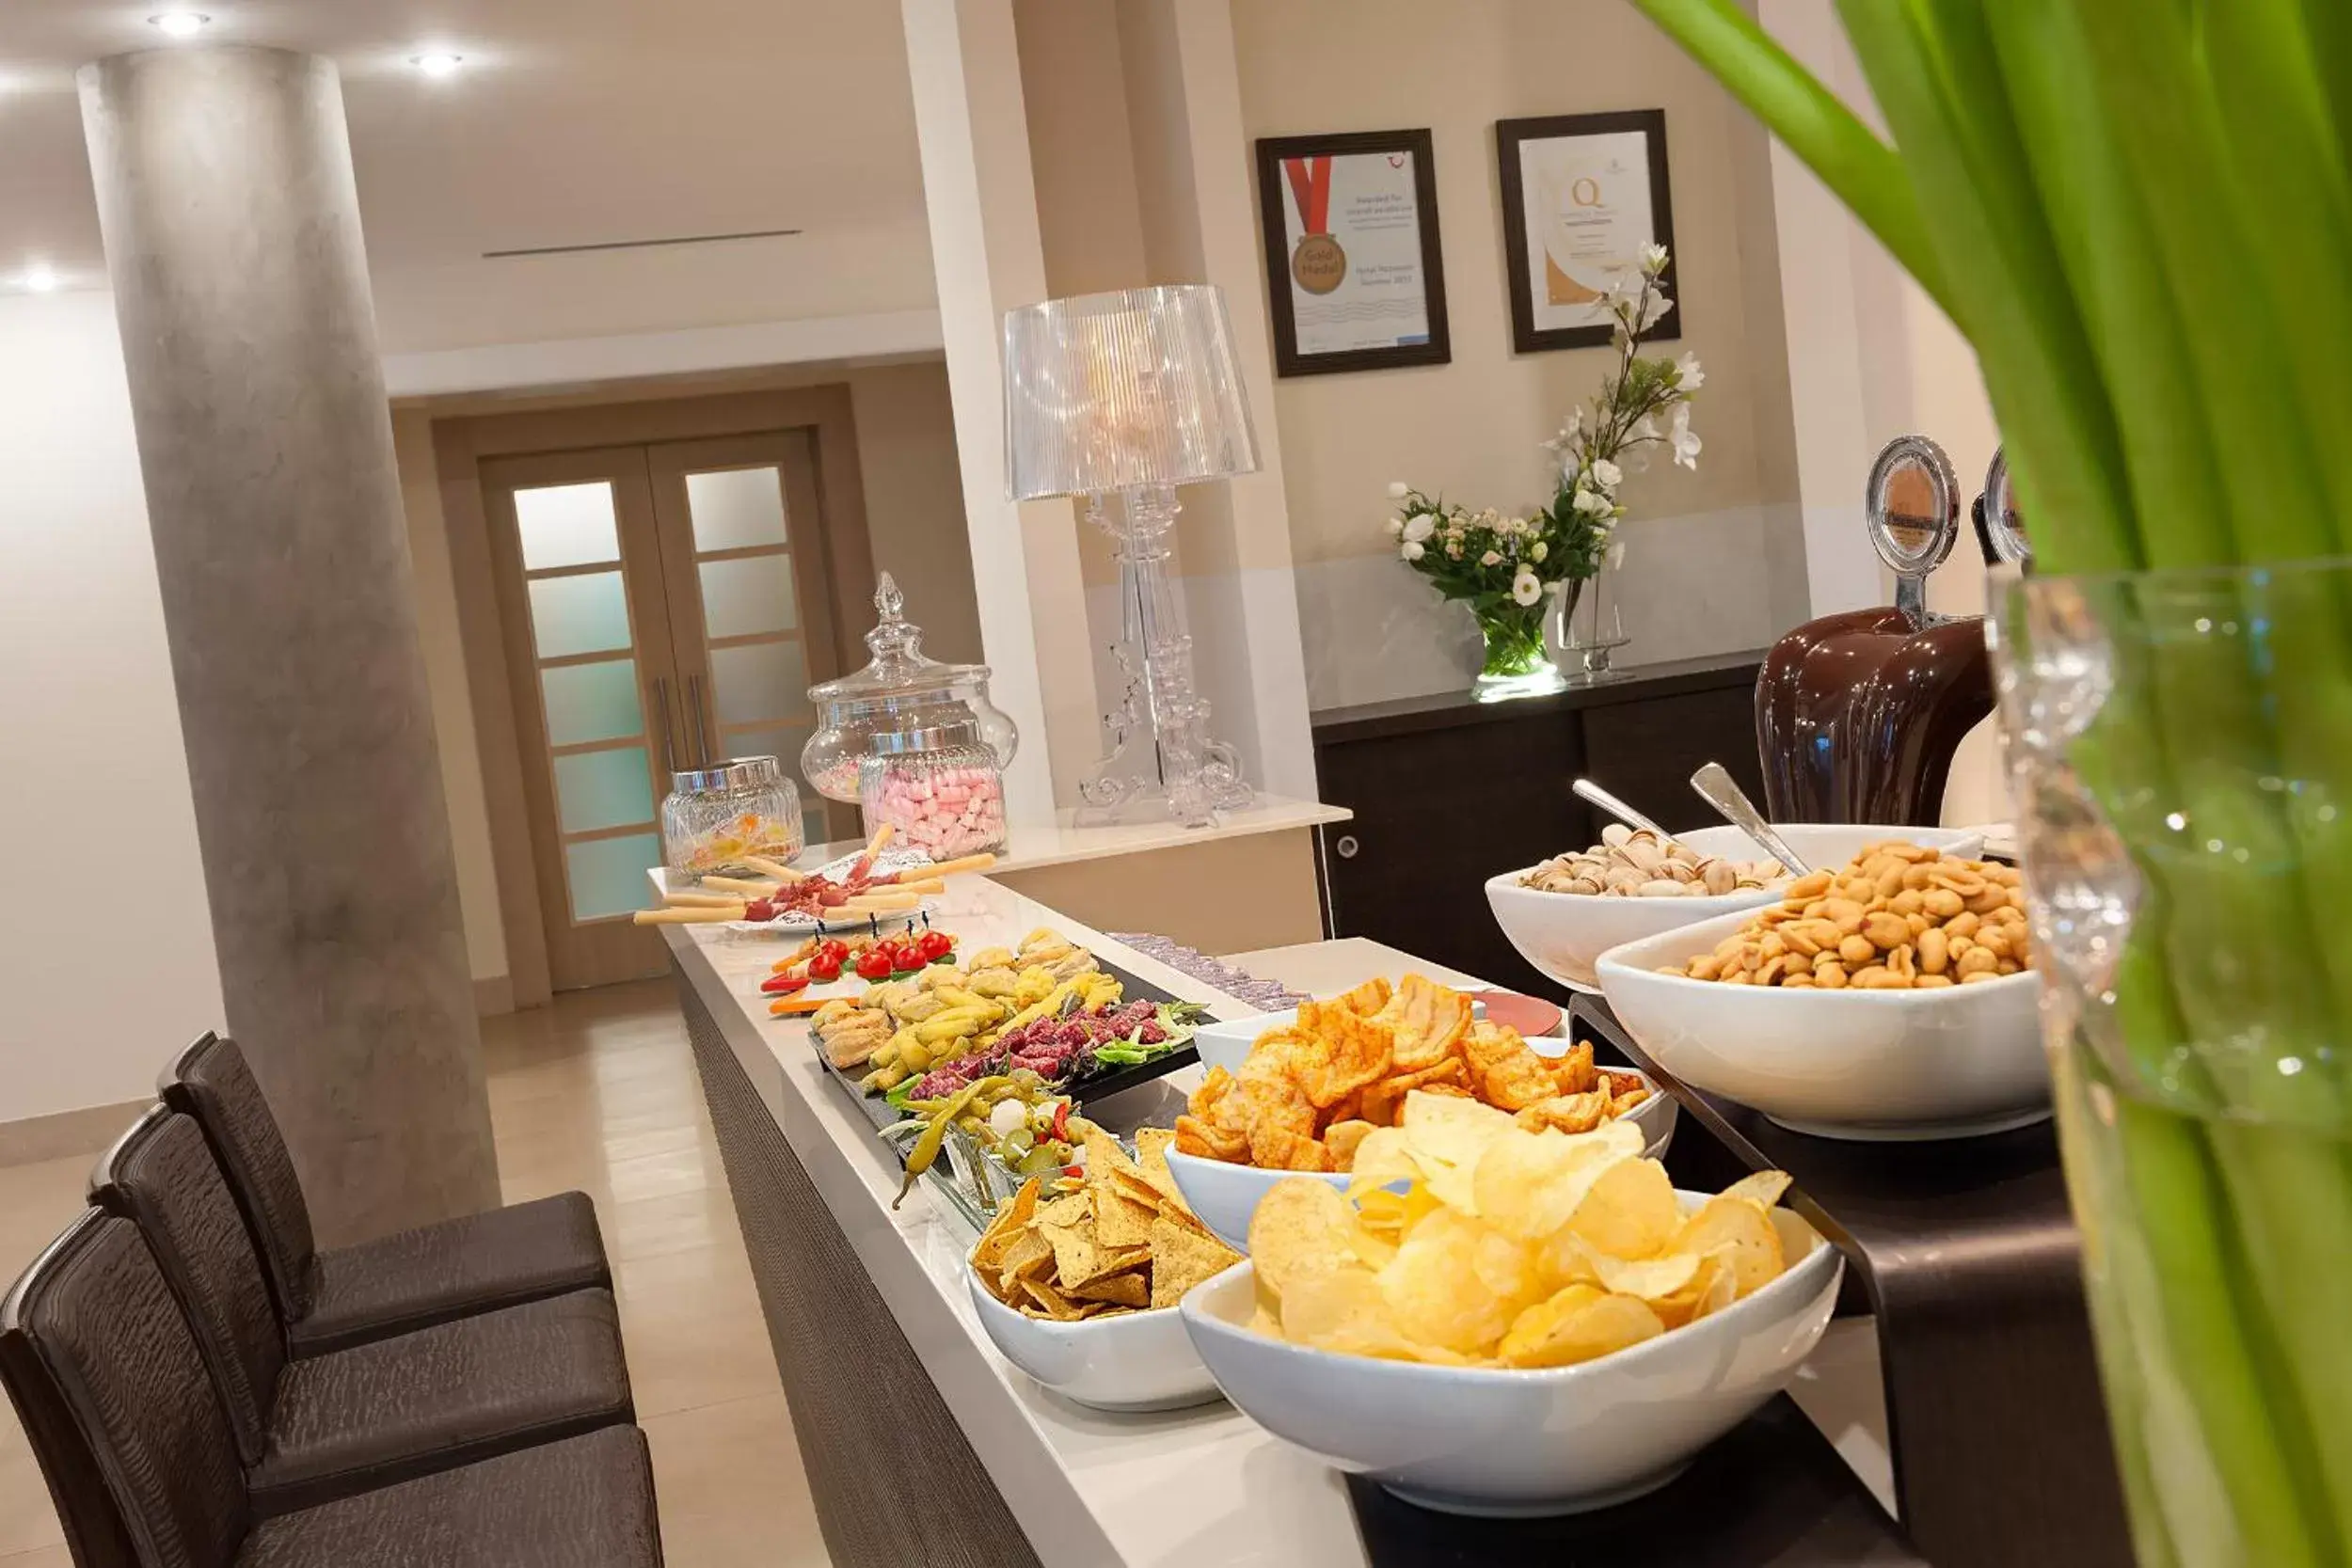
[(1770, 1491), (1135, 989), (1966, 1252)]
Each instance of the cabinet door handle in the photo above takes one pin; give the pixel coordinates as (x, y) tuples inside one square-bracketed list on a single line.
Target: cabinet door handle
[(662, 717), (699, 731), (1346, 847)]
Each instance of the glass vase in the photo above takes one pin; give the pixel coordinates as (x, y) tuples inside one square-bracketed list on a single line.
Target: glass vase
[(2182, 748), (1586, 628), (1515, 663)]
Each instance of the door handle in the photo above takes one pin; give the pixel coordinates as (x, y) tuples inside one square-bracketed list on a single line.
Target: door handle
[(701, 731), (662, 715)]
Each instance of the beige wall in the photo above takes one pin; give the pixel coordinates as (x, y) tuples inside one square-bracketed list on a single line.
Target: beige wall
[(906, 449), (452, 711), (914, 517), (1709, 555)]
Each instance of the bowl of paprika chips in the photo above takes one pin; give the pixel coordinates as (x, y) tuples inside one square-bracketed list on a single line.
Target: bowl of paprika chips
[(1319, 1082), (1077, 1283), (1537, 1322)]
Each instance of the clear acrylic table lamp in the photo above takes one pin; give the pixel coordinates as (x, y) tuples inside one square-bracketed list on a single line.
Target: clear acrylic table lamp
[(1132, 394)]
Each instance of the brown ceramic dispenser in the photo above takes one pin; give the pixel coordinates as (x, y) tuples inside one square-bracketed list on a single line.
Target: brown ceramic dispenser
[(1858, 714)]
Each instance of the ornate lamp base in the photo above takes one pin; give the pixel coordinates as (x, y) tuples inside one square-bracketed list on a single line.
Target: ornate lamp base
[(1162, 764)]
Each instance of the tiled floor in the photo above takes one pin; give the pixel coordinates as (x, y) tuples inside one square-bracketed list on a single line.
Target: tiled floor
[(597, 1092)]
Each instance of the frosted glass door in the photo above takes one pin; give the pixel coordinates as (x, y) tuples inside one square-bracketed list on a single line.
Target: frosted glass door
[(746, 563), (590, 653)]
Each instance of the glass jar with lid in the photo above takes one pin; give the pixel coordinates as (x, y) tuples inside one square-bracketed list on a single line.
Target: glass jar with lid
[(939, 789), (714, 817), (901, 693)]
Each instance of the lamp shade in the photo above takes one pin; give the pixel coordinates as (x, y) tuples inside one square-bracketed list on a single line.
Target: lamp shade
[(1104, 391)]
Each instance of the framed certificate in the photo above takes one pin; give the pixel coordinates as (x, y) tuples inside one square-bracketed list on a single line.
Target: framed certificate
[(1582, 195), (1353, 273)]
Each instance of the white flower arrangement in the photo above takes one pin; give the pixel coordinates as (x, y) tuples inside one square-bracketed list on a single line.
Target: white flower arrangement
[(1503, 565)]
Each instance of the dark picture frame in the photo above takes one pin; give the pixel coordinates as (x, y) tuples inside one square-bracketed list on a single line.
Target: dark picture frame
[(1273, 197), (1510, 135)]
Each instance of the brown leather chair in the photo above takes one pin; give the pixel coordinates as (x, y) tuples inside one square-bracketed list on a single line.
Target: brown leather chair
[(137, 1448), (358, 1419), (345, 1296)]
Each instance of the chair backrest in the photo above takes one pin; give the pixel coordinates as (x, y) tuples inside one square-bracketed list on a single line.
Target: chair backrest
[(161, 1176), (211, 1082), (130, 1433)]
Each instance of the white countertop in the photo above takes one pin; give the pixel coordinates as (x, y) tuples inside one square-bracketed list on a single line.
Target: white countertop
[(1174, 1490), (1065, 841)]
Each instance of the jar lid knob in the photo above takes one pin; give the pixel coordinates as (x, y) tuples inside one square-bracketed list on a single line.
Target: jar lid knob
[(888, 599)]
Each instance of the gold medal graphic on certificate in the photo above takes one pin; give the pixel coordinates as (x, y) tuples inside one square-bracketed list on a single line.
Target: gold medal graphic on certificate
[(1318, 264)]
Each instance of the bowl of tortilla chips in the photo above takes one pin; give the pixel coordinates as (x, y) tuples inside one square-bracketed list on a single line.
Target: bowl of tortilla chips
[(1077, 1283), (1316, 1084)]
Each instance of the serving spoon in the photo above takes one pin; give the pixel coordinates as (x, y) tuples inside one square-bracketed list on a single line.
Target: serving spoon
[(1719, 789), (1619, 810)]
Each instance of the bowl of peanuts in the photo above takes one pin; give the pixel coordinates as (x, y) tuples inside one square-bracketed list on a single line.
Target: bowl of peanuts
[(1562, 924), (1891, 999)]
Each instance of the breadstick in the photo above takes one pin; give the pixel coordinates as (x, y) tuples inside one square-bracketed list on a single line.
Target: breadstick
[(980, 862), (732, 884), (704, 914), (781, 872), (699, 900)]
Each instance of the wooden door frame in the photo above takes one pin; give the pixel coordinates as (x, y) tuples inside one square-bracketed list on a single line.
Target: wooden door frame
[(460, 445)]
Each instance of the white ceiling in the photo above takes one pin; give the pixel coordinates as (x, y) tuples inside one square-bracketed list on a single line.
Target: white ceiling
[(573, 122)]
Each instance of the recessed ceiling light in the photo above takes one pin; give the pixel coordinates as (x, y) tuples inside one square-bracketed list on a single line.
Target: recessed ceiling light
[(40, 278), (437, 65), (179, 24)]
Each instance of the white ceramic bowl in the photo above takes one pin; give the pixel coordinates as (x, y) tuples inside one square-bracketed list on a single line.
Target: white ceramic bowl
[(1134, 1361), (1564, 934), (1226, 1043), (1953, 1062), (1226, 1195), (1502, 1442)]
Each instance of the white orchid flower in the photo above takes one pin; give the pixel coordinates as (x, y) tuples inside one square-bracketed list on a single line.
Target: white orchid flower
[(1655, 310), (1492, 558), (1527, 587), (1418, 526), (1607, 474), (1653, 258), (1645, 429), (1414, 549), (1688, 375), (1686, 440), (1398, 489)]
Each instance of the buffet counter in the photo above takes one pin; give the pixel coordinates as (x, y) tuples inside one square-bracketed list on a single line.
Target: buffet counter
[(908, 1417), (923, 1444)]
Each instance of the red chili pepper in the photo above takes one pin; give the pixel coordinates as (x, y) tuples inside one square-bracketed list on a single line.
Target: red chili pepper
[(1061, 1121), (874, 964), (783, 984)]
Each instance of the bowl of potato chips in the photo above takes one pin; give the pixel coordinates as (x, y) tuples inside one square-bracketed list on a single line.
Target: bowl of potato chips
[(1564, 934), (1847, 1010), (1316, 1083), (1076, 1286), (1537, 1323)]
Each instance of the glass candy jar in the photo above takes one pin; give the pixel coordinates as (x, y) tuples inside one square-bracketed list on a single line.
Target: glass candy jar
[(900, 693), (939, 789), (714, 817)]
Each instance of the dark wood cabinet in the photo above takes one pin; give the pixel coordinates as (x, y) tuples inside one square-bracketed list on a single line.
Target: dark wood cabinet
[(1447, 791)]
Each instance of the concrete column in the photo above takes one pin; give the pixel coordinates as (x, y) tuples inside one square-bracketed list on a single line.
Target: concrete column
[(231, 224)]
